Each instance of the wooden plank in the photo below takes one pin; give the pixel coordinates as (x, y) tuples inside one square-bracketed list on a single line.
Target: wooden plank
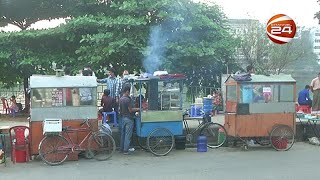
[(260, 125), (246, 125), (231, 106), (230, 124), (267, 121)]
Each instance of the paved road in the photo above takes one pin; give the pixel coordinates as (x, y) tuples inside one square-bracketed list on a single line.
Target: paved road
[(300, 162)]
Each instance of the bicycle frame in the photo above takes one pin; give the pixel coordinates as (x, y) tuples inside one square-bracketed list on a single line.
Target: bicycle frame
[(74, 146), (201, 124)]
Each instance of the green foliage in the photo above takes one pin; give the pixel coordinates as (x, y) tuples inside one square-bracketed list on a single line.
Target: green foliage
[(117, 33)]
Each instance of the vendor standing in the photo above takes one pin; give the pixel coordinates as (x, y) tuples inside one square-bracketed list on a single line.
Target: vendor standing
[(315, 88), (114, 85)]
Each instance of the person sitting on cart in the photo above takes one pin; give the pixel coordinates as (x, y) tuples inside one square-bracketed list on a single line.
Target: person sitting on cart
[(127, 116), (107, 102)]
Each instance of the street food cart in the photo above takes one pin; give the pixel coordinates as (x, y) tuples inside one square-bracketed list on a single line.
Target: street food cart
[(160, 98), (70, 99), (261, 109)]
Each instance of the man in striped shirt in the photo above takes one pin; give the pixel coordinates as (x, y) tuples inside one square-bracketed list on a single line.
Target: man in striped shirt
[(114, 84)]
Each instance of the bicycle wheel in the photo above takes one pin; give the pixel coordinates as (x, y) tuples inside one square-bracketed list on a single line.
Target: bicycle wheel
[(101, 146), (54, 150), (160, 141), (216, 134), (142, 141), (282, 137)]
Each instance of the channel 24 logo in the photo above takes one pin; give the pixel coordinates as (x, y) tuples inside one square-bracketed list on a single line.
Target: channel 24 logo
[(281, 29)]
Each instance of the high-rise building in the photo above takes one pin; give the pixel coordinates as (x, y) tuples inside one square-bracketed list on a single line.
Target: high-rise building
[(315, 33)]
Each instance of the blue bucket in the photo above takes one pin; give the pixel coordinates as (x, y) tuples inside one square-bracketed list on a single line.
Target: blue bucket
[(195, 111), (202, 144), (207, 105)]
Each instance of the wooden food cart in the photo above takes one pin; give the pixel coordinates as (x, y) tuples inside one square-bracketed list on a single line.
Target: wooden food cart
[(261, 109), (61, 97)]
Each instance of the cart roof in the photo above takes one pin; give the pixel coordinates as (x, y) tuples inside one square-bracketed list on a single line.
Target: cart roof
[(45, 81), (158, 78), (267, 78)]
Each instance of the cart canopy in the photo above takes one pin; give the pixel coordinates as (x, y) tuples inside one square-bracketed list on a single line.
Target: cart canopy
[(287, 78), (46, 81)]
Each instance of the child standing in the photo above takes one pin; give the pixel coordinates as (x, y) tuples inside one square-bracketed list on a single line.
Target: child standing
[(13, 106)]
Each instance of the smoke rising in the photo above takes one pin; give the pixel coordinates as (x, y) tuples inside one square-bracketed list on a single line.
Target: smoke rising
[(155, 51)]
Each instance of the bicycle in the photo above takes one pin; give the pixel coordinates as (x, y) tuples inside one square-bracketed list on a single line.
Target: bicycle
[(216, 133), (55, 148)]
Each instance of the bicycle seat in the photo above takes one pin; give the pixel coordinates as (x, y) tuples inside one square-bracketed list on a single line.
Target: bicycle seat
[(65, 128)]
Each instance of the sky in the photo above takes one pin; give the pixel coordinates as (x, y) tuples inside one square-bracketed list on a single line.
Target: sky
[(301, 11)]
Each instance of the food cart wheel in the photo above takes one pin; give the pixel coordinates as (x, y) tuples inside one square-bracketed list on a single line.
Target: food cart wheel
[(142, 141), (160, 141), (216, 134), (101, 146), (282, 137), (53, 149)]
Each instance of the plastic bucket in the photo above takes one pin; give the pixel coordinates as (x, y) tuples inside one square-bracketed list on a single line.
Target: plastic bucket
[(202, 144), (207, 105), (21, 156)]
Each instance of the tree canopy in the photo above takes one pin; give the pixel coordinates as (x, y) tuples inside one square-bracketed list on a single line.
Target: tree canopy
[(23, 13), (268, 57), (192, 39)]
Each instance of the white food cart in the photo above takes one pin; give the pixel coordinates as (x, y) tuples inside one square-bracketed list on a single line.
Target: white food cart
[(69, 98)]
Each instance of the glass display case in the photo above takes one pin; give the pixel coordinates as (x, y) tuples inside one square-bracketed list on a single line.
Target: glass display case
[(266, 93), (61, 97), (66, 97)]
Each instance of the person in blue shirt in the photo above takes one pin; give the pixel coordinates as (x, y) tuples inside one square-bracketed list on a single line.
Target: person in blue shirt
[(304, 98)]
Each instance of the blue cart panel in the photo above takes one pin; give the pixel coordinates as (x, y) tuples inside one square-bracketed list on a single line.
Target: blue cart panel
[(145, 128)]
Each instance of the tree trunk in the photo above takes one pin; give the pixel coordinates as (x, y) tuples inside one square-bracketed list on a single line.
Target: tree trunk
[(26, 95)]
